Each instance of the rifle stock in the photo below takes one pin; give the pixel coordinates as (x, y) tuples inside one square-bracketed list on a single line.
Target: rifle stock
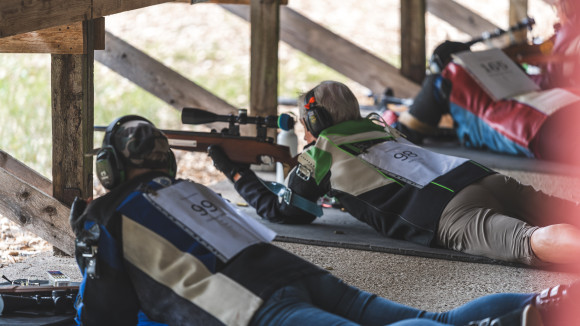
[(248, 150)]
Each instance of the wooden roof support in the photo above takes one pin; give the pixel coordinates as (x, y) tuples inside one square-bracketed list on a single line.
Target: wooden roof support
[(158, 79), (72, 98), (24, 200), (413, 56), (518, 11), (265, 31), (242, 2), (460, 17), (25, 173), (64, 39), (17, 16)]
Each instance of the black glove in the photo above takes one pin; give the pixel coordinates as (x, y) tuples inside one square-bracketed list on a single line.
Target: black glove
[(222, 162)]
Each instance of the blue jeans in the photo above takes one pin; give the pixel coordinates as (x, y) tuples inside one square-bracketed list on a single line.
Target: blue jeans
[(326, 300)]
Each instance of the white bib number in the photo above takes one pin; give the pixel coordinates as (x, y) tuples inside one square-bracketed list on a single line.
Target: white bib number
[(210, 219), (409, 163)]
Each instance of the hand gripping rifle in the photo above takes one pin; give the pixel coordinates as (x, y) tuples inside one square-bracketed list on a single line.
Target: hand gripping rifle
[(242, 149)]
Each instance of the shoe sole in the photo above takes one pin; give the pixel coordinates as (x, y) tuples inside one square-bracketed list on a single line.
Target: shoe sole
[(531, 316)]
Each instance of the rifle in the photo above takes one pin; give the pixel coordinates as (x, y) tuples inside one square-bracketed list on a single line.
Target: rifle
[(527, 22), (242, 149), (38, 295)]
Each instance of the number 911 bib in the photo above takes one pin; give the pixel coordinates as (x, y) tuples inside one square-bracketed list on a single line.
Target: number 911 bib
[(404, 161), (209, 218)]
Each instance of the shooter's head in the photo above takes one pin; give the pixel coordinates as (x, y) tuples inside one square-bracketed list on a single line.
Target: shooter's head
[(328, 104), (130, 143)]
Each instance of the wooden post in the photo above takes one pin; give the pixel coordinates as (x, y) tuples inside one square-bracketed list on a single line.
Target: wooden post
[(265, 34), (518, 11), (72, 121), (413, 57)]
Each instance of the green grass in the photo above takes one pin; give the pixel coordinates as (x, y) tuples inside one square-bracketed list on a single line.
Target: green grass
[(25, 131)]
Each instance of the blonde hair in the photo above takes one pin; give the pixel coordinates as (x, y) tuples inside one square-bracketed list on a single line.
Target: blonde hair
[(336, 98)]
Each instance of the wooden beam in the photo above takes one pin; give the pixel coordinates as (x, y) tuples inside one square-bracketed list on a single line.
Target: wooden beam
[(158, 79), (64, 39), (517, 12), (464, 19), (413, 57), (241, 2), (344, 56), (33, 209), (17, 16), (460, 17), (72, 91), (265, 26), (25, 173)]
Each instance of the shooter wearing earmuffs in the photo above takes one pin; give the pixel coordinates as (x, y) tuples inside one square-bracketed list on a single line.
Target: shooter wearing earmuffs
[(406, 192)]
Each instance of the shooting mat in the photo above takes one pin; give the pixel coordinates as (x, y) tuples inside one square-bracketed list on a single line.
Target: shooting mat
[(339, 229), (504, 161)]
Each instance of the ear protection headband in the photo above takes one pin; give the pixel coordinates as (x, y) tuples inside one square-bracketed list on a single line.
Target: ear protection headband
[(317, 117), (111, 170)]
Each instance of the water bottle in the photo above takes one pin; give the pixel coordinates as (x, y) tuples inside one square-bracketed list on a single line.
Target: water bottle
[(286, 138)]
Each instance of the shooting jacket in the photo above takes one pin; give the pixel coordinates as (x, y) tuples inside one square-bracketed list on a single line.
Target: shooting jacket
[(149, 268), (520, 125), (392, 207)]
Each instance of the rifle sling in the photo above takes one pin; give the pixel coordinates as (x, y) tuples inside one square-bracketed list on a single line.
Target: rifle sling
[(293, 199)]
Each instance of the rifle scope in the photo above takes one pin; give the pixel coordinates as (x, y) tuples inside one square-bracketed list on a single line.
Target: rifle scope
[(199, 116)]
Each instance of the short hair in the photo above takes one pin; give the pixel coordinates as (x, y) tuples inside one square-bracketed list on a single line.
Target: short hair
[(336, 98)]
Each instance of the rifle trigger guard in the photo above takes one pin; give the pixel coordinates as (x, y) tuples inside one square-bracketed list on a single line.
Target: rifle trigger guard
[(90, 253), (303, 172), (287, 196)]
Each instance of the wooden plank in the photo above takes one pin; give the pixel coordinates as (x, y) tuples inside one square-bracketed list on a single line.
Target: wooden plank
[(413, 57), (64, 39), (158, 79), (35, 211), (517, 12), (240, 2), (464, 20), (25, 173), (460, 17), (265, 26), (345, 57), (18, 16), (109, 7)]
